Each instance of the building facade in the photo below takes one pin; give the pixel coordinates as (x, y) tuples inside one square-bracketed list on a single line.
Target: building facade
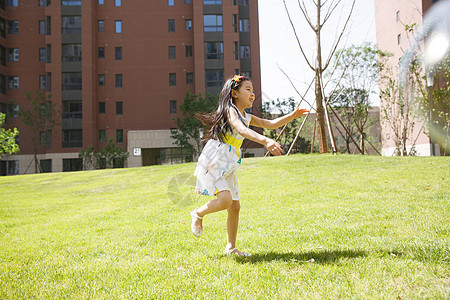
[(391, 18), (118, 69)]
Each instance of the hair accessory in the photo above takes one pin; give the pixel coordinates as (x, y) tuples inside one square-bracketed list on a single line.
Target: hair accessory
[(235, 80)]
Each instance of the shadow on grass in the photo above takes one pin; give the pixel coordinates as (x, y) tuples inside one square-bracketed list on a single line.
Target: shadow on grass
[(318, 257)]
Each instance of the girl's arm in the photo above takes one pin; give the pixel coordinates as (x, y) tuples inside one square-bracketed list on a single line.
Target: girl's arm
[(246, 132), (278, 122)]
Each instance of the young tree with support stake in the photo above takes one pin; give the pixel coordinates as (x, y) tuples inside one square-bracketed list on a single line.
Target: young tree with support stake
[(39, 115), (319, 67)]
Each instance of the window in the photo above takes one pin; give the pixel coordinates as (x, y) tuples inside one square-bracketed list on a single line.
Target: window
[(245, 51), (189, 78), (187, 1), (118, 26), (72, 138), (118, 80), (171, 2), (212, 23), (244, 25), (236, 50), (13, 167), (2, 6), (45, 138), (236, 71), (171, 25), (117, 2), (101, 2), (13, 3), (101, 52), (172, 52), (2, 84), (48, 23), (243, 2), (2, 55), (214, 78), (172, 79), (44, 3), (397, 16), (71, 53), (235, 23), (173, 106), (71, 81), (71, 2), (212, 2), (118, 53), (13, 82), (101, 26), (48, 53), (42, 54), (72, 164), (2, 27), (13, 27), (119, 135), (399, 39), (119, 108), (42, 80), (13, 110), (48, 82), (188, 51), (102, 135), (102, 107), (71, 24), (188, 25), (72, 110), (247, 74), (42, 27), (46, 165), (214, 50), (13, 54), (234, 2), (101, 79)]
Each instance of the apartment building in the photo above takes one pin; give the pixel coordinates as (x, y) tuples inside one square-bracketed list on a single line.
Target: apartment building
[(118, 69), (391, 18)]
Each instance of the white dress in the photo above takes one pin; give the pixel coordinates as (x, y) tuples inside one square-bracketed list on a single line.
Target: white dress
[(217, 165)]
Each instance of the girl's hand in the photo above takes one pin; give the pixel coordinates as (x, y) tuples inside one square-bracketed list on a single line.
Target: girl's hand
[(300, 112), (273, 147)]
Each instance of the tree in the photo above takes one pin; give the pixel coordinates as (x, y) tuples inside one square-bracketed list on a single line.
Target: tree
[(8, 144), (108, 157), (397, 112), (40, 116), (318, 67), (356, 78), (189, 128), (281, 108)]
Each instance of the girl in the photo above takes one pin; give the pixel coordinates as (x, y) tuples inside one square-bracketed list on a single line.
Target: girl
[(221, 156)]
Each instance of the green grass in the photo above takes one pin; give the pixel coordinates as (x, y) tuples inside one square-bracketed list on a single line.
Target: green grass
[(318, 226)]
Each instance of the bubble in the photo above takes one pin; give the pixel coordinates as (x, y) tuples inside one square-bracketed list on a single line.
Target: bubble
[(424, 74)]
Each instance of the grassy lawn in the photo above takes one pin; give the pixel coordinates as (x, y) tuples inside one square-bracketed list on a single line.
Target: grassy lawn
[(317, 226)]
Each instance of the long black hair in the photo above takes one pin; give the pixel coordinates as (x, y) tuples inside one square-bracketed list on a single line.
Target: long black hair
[(218, 121)]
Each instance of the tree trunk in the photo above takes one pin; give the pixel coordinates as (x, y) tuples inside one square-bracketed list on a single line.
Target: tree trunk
[(323, 145)]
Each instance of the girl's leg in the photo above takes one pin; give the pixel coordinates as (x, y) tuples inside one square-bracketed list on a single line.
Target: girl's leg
[(222, 202), (232, 224)]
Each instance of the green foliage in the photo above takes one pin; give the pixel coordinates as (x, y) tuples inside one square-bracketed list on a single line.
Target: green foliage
[(39, 114), (281, 108), (318, 227), (356, 79), (188, 133), (108, 157), (8, 144)]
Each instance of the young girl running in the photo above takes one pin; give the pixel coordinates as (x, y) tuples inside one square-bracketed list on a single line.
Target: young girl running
[(221, 156)]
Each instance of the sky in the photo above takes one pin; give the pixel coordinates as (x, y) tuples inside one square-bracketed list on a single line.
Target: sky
[(279, 47)]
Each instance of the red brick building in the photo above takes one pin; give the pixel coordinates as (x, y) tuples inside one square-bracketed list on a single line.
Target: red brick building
[(118, 69)]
